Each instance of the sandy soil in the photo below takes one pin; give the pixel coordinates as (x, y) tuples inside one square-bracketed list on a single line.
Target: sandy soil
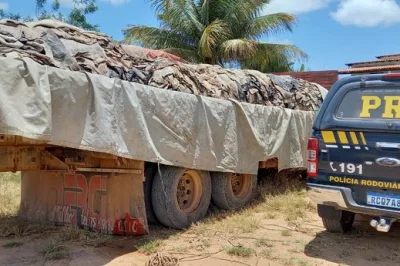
[(280, 228), (274, 242)]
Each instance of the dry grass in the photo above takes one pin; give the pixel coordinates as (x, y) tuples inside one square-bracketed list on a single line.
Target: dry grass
[(228, 223), (150, 247), (297, 249), (270, 215), (182, 248), (266, 253), (13, 244), (206, 243), (284, 195), (84, 237), (10, 197), (286, 233), (293, 261), (10, 193), (344, 253), (58, 249), (240, 251), (11, 227), (55, 251), (264, 243)]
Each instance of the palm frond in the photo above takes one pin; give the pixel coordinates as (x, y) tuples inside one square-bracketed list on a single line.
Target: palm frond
[(269, 24), (219, 31), (215, 34), (182, 16), (160, 5), (291, 52), (175, 20), (240, 10), (274, 57), (237, 49), (155, 38), (185, 7), (204, 11)]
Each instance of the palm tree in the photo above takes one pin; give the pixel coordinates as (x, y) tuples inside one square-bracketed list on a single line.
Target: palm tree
[(218, 32)]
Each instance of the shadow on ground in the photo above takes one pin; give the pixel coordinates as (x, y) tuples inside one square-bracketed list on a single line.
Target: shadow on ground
[(23, 243), (29, 244), (362, 246)]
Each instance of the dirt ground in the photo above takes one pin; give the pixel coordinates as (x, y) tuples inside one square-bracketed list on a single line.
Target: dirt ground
[(279, 229), (275, 242)]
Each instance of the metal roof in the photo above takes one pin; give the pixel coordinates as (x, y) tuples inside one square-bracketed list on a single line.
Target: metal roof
[(369, 69), (389, 55), (376, 61)]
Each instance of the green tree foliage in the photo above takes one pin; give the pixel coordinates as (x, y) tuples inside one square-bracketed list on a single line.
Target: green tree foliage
[(12, 16), (219, 32), (302, 69), (76, 16)]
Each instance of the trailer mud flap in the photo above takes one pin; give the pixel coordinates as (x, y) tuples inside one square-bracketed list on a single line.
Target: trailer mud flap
[(110, 203)]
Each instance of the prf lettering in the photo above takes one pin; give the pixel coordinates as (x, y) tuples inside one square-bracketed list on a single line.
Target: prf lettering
[(391, 106)]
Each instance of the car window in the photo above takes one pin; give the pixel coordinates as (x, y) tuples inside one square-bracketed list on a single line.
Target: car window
[(370, 103)]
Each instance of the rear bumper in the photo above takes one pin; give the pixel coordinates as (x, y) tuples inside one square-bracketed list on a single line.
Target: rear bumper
[(342, 198)]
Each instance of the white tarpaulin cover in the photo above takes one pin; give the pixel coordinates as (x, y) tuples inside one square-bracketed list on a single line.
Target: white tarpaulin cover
[(92, 112)]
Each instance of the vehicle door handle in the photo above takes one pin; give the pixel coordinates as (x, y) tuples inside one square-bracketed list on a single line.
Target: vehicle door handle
[(388, 145)]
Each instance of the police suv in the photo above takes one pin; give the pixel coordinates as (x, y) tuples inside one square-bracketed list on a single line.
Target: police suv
[(354, 153)]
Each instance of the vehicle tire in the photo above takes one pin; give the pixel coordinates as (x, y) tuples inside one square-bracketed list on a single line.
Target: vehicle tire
[(342, 225), (149, 173), (180, 196), (233, 191)]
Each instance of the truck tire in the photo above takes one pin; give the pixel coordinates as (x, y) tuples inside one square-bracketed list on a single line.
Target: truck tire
[(149, 173), (233, 191), (180, 196), (342, 225)]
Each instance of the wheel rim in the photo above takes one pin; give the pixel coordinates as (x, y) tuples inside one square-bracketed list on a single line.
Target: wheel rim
[(240, 184), (190, 189)]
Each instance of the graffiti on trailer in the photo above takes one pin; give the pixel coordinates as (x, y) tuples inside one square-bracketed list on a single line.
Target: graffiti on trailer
[(129, 226), (96, 223), (40, 214), (81, 201), (86, 198), (62, 214)]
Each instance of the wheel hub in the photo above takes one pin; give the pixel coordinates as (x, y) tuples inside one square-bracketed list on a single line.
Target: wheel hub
[(240, 184), (189, 191)]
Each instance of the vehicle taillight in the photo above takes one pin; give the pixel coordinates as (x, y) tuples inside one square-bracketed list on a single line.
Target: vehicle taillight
[(392, 76), (312, 157)]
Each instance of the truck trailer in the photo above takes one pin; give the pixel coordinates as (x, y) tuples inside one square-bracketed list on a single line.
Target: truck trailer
[(100, 147)]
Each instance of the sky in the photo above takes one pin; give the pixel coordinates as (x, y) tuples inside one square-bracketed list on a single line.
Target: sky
[(331, 32)]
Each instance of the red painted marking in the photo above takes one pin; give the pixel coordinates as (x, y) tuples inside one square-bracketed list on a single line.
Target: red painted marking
[(128, 226), (75, 192), (56, 190), (80, 200), (97, 184)]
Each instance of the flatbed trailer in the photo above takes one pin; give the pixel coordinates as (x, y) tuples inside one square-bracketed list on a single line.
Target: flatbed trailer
[(112, 156)]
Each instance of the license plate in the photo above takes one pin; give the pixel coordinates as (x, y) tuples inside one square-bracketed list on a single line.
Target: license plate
[(383, 200)]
